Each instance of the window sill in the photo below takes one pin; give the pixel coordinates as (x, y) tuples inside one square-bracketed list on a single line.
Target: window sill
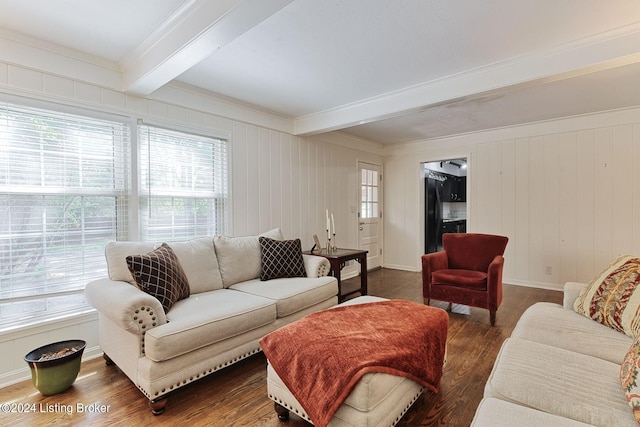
[(39, 325)]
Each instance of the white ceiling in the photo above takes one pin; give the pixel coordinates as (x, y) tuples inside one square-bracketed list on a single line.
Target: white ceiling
[(386, 70)]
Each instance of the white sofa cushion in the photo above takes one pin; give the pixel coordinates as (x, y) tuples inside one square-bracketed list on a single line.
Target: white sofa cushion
[(291, 294), (207, 318), (560, 382), (116, 254), (200, 264), (554, 325), (239, 257), (197, 258), (498, 413)]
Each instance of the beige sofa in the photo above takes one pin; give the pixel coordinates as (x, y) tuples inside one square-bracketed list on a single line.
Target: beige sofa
[(228, 311), (558, 368)]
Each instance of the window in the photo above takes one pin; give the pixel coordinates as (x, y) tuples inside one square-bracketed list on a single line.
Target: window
[(64, 183), (183, 184), (369, 183), (67, 188)]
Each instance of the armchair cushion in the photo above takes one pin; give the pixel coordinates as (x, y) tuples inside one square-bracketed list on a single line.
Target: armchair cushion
[(463, 278), (160, 274), (280, 258)]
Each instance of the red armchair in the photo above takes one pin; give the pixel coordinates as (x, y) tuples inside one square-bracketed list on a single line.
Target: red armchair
[(468, 271)]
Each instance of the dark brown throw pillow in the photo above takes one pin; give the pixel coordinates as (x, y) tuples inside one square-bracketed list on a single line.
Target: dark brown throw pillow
[(160, 274), (281, 258)]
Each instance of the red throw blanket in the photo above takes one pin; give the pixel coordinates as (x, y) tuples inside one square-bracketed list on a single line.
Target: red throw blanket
[(321, 357)]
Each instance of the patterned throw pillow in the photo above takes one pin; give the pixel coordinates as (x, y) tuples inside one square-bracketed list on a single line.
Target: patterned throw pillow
[(160, 274), (281, 258), (613, 297), (629, 377)]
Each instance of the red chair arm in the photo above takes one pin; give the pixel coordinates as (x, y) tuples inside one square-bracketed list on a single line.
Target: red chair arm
[(494, 282), (432, 262)]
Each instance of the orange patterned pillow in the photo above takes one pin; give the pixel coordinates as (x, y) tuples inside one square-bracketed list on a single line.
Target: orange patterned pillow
[(629, 377), (613, 297)]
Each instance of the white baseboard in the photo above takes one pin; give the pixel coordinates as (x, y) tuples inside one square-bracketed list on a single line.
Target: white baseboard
[(540, 285), (401, 267)]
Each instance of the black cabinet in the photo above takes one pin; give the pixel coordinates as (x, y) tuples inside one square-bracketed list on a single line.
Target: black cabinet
[(448, 227), (454, 226), (455, 189)]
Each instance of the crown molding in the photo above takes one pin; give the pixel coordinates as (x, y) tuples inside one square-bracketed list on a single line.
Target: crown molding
[(27, 52), (526, 130)]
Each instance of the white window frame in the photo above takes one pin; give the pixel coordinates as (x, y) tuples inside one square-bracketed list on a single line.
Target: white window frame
[(127, 200), (52, 285), (210, 150)]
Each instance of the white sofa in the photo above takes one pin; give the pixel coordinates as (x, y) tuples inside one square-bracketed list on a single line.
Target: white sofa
[(228, 311), (558, 368)]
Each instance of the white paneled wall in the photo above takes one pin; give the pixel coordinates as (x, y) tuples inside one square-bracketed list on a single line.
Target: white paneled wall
[(281, 180), (566, 193), (277, 179)]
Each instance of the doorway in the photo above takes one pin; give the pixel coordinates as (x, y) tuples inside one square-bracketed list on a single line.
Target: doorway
[(370, 212), (445, 200)]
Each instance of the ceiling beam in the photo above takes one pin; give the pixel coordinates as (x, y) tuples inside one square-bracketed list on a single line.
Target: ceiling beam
[(194, 32), (603, 51)]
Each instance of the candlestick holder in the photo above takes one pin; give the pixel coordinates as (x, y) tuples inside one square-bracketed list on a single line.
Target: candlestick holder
[(335, 246), (329, 247)]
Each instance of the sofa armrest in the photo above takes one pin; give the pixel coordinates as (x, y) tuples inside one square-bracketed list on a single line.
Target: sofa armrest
[(316, 266), (571, 293), (127, 306)]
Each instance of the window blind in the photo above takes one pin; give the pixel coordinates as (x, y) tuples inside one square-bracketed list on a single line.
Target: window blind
[(64, 183), (183, 184)]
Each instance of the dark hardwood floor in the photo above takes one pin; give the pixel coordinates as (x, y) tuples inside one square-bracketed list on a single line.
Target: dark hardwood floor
[(236, 396)]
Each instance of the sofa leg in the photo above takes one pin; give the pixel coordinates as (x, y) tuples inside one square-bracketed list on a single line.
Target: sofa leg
[(107, 360), (492, 317), (157, 406), (283, 413)]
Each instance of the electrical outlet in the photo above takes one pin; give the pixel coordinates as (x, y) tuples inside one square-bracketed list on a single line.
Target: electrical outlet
[(548, 270)]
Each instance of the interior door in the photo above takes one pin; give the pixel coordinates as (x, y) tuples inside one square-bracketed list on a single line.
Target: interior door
[(370, 214)]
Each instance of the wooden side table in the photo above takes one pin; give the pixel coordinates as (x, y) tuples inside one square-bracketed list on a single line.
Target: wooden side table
[(338, 258)]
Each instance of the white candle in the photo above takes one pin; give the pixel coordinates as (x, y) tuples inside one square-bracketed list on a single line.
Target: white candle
[(333, 225), (328, 225)]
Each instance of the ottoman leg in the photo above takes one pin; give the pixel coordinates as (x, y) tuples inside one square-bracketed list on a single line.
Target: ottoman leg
[(283, 413)]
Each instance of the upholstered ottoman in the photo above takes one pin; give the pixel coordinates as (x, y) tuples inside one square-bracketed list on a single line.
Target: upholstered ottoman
[(379, 399)]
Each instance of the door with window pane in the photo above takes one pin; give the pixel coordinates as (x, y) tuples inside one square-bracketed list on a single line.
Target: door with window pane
[(370, 214)]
